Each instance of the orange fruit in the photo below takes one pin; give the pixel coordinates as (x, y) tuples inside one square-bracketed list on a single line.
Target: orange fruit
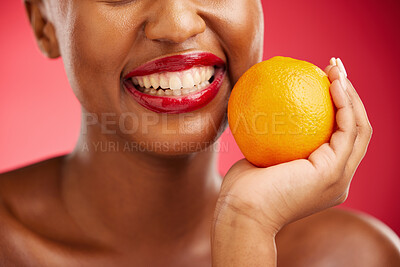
[(281, 110)]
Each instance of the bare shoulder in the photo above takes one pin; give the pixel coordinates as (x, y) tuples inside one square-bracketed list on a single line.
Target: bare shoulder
[(337, 237), (31, 184), (29, 208)]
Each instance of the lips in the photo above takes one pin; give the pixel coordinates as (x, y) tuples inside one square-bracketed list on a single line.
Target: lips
[(202, 72)]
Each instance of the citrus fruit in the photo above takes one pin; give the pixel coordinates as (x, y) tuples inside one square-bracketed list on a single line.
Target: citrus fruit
[(281, 110)]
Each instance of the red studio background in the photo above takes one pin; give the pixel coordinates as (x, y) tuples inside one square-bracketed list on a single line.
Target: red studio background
[(40, 116)]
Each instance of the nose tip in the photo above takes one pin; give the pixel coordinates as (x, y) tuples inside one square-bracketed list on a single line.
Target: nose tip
[(174, 23)]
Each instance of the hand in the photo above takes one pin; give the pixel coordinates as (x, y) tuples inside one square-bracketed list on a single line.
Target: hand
[(272, 197)]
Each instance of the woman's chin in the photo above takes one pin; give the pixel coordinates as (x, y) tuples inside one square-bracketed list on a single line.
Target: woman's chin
[(174, 141)]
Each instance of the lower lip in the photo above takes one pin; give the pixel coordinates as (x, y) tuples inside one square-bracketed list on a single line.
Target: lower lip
[(179, 104)]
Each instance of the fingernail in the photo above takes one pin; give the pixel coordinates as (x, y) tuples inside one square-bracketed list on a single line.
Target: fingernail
[(341, 67), (342, 80), (333, 61)]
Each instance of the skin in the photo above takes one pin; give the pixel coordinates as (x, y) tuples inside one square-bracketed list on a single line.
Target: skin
[(162, 207)]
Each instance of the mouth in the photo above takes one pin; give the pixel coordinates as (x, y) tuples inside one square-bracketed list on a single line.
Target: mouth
[(176, 84)]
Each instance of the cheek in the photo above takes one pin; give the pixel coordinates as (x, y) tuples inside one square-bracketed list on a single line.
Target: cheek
[(96, 52), (242, 31)]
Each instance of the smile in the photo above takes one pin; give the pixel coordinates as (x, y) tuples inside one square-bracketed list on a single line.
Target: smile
[(177, 84)]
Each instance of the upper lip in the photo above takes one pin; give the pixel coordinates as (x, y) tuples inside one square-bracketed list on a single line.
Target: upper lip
[(177, 62)]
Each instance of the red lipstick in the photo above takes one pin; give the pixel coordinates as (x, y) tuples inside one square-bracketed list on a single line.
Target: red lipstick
[(176, 63)]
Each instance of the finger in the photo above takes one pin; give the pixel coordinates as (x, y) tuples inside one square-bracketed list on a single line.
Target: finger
[(339, 63), (362, 121), (342, 140), (359, 109), (328, 68), (332, 63), (364, 130), (334, 73), (363, 125)]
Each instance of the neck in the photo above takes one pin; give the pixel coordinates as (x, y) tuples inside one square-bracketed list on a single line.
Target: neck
[(137, 195)]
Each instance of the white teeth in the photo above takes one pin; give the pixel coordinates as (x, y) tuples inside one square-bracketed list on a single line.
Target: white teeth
[(197, 77), (176, 92), (209, 73), (146, 81), (187, 81), (140, 80), (174, 82), (204, 84), (203, 74), (154, 81), (164, 83)]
